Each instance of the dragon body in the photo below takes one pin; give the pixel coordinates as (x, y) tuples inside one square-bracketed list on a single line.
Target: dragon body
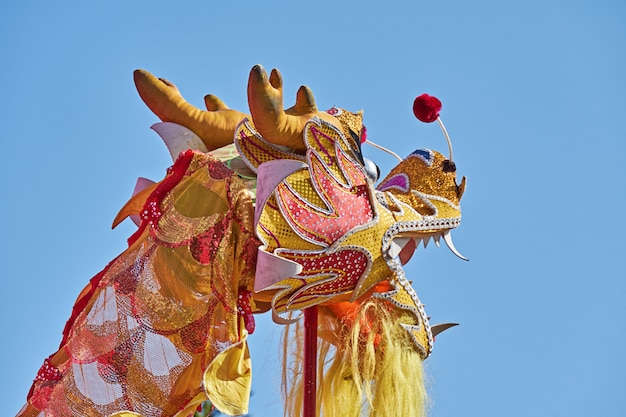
[(273, 211)]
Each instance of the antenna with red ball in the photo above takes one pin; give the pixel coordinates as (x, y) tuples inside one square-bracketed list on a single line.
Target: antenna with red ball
[(382, 148), (426, 108)]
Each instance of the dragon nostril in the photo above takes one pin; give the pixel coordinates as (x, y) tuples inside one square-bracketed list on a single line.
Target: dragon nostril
[(449, 166)]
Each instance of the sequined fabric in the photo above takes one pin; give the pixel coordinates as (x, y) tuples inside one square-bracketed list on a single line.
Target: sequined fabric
[(145, 330), (329, 218)]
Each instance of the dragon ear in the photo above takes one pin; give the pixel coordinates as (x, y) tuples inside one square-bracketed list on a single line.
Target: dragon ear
[(460, 189)]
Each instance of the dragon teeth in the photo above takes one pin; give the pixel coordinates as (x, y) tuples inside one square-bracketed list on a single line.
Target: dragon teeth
[(447, 237)]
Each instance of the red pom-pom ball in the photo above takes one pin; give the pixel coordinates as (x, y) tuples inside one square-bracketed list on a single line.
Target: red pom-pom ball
[(426, 108)]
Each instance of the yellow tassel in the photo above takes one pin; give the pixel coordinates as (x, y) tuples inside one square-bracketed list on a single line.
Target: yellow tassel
[(368, 367)]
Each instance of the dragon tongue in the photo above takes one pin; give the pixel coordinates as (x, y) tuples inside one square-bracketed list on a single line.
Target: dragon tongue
[(397, 245)]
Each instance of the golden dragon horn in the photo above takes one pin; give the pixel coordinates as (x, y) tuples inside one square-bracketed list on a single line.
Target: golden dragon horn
[(215, 126), (276, 125)]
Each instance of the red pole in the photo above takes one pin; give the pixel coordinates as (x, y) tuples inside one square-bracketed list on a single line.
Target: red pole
[(310, 362)]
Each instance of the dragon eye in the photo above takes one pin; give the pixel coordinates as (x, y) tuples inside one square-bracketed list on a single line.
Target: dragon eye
[(448, 166), (371, 169)]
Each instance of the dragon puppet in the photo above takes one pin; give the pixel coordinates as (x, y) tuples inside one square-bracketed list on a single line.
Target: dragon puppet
[(272, 211)]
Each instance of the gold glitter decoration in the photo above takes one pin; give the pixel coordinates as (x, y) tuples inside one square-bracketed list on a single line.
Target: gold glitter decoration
[(334, 198)]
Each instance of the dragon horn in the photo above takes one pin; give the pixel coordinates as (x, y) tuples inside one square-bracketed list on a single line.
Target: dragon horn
[(216, 127), (276, 125)]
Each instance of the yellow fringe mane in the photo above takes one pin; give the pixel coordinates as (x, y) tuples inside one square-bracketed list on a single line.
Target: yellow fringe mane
[(368, 367)]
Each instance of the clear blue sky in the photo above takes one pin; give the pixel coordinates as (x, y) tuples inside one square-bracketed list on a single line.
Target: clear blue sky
[(533, 96)]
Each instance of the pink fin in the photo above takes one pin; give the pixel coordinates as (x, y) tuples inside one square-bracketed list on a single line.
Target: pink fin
[(269, 175), (271, 269), (140, 185), (178, 138)]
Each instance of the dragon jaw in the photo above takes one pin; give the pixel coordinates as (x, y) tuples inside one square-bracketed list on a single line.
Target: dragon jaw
[(403, 247)]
